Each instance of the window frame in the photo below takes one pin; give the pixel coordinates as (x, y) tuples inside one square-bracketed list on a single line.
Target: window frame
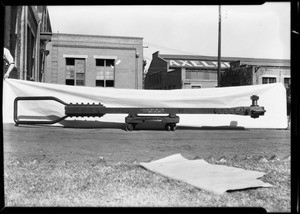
[(268, 79), (75, 80), (107, 65)]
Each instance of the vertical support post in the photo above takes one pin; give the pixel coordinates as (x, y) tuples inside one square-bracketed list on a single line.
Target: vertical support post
[(136, 69), (25, 42), (219, 48), (7, 27), (22, 43)]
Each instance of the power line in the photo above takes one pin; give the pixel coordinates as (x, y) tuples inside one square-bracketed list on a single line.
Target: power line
[(170, 48)]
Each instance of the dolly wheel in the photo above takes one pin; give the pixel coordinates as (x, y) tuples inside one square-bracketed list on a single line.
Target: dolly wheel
[(168, 127), (129, 127), (173, 127)]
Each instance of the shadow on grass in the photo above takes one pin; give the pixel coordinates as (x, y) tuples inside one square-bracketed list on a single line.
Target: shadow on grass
[(241, 190), (149, 125), (212, 128)]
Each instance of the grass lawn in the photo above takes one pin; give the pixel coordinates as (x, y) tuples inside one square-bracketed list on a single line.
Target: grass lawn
[(47, 182)]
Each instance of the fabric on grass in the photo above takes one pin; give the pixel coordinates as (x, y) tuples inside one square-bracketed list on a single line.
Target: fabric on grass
[(203, 175), (271, 96)]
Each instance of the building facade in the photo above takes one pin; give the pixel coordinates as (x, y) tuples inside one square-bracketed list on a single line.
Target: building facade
[(26, 31), (183, 71), (95, 61), (189, 71), (257, 71)]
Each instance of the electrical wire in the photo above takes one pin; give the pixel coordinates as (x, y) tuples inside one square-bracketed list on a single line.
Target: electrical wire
[(170, 48)]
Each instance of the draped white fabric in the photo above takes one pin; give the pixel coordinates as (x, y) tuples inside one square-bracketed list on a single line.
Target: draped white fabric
[(271, 96)]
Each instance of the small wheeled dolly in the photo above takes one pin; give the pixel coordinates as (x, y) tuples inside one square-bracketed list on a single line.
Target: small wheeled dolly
[(133, 118), (170, 121)]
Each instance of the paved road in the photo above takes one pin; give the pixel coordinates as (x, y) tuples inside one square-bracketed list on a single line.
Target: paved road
[(117, 145)]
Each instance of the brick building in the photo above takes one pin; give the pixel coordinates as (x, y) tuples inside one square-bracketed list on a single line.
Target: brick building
[(26, 31), (95, 61), (189, 71)]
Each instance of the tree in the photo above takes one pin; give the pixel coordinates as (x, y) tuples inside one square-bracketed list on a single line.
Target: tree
[(144, 64), (144, 72)]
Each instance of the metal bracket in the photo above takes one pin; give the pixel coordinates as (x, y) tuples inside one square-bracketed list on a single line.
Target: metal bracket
[(32, 122)]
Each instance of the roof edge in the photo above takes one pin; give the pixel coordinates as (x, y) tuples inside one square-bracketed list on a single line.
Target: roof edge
[(103, 36), (243, 59)]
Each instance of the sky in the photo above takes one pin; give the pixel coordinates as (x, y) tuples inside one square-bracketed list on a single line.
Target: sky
[(256, 31)]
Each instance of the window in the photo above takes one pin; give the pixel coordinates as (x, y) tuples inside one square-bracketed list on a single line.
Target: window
[(194, 74), (75, 71), (213, 75), (100, 62), (69, 82), (30, 54), (109, 83), (206, 75), (267, 80), (201, 74), (70, 61), (188, 74), (100, 83), (105, 72), (110, 62)]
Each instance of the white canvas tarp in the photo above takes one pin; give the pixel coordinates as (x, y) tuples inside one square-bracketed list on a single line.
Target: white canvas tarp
[(271, 96), (203, 175)]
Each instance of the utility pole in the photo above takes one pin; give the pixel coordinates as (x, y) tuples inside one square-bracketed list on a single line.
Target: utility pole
[(219, 48)]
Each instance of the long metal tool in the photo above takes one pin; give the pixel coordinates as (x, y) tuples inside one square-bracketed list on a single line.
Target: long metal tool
[(133, 118)]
